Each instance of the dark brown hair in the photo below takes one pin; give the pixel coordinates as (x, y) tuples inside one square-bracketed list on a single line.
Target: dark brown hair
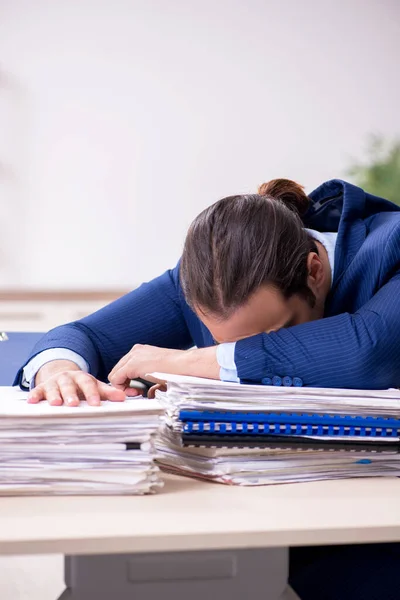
[(242, 242)]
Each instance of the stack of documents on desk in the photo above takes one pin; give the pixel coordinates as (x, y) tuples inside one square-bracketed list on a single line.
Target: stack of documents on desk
[(257, 435), (107, 449)]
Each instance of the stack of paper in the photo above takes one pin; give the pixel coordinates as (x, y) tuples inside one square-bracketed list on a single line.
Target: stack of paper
[(107, 449), (255, 435)]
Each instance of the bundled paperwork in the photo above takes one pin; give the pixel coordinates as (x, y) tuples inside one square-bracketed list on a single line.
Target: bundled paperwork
[(107, 449), (257, 435)]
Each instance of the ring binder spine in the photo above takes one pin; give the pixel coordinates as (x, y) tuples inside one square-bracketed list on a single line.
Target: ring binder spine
[(289, 424), (289, 430)]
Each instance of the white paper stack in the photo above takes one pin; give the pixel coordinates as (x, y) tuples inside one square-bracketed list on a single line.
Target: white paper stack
[(280, 457), (107, 449)]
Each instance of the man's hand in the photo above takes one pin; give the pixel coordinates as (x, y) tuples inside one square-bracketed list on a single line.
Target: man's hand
[(142, 360), (62, 382)]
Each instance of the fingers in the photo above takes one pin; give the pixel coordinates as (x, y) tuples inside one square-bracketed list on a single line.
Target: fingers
[(88, 388), (107, 392), (132, 392), (121, 363), (119, 377), (120, 381), (50, 392), (125, 369), (36, 395), (69, 387)]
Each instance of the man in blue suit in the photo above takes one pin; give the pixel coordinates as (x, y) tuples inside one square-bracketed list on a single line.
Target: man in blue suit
[(272, 288)]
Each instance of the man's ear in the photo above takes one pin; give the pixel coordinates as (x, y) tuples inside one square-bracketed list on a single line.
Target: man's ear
[(316, 272)]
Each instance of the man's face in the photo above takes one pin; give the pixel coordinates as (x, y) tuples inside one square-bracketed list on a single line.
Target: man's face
[(267, 310)]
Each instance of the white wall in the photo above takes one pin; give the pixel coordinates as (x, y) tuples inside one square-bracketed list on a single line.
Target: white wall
[(121, 119)]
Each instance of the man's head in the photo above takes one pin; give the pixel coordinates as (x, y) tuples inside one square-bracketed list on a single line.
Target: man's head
[(249, 266)]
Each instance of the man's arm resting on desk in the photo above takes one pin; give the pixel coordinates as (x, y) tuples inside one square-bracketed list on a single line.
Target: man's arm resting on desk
[(61, 381), (360, 350), (151, 314)]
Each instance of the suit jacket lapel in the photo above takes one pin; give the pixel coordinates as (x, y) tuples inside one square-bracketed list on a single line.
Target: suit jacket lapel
[(339, 206)]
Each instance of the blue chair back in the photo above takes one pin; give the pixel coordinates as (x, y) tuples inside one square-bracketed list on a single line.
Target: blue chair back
[(13, 353)]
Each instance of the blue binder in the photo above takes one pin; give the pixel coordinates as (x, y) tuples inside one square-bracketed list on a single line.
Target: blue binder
[(288, 424)]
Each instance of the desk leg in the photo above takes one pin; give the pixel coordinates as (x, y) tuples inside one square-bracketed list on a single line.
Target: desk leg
[(222, 574)]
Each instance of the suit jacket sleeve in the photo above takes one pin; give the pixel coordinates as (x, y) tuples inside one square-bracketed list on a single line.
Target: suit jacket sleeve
[(151, 314), (360, 350)]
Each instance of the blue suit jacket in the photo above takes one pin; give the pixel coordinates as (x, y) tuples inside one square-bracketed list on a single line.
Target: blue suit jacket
[(356, 345)]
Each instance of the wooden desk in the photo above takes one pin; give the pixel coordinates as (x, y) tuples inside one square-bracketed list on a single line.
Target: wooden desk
[(193, 515), (255, 524)]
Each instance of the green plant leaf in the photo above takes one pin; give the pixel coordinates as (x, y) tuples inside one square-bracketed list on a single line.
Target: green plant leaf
[(380, 173)]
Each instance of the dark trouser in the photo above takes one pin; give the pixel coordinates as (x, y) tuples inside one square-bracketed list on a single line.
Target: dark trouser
[(356, 572)]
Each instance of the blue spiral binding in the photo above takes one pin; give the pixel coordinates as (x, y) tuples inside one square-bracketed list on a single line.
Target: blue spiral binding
[(289, 424)]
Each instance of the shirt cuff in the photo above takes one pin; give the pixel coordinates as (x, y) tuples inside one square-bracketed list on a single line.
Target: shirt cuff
[(226, 361), (33, 366)]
